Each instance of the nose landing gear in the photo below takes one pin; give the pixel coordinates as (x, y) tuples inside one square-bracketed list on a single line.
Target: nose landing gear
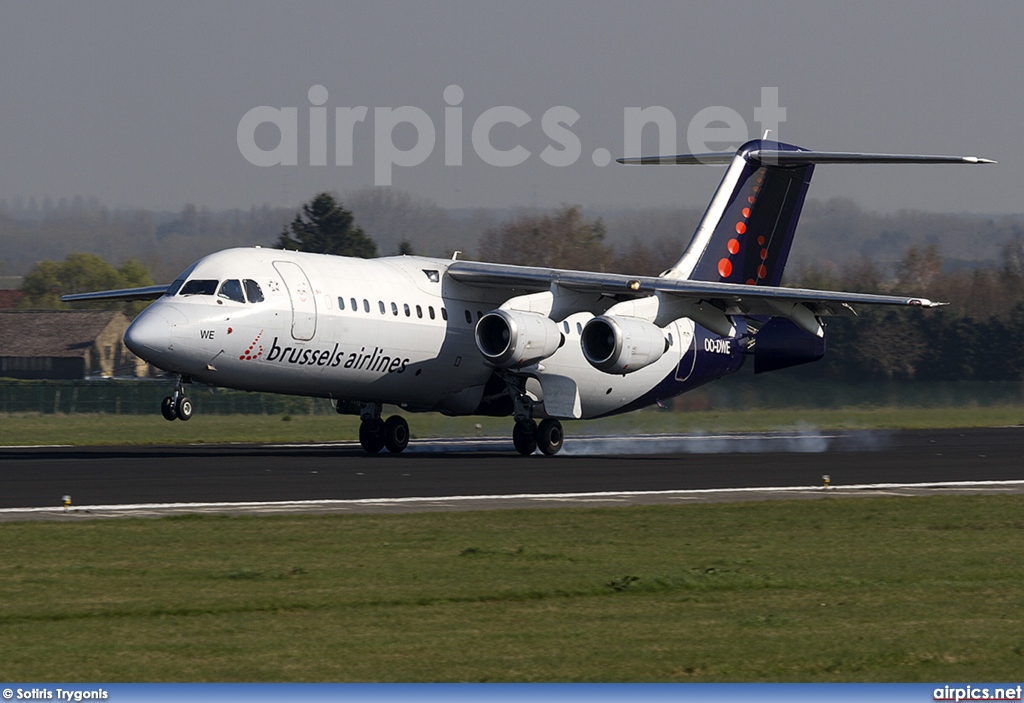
[(176, 406)]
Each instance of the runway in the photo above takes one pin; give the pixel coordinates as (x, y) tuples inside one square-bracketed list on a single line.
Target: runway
[(487, 473)]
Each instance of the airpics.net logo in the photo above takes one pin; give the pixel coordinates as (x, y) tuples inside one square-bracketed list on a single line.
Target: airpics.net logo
[(716, 124)]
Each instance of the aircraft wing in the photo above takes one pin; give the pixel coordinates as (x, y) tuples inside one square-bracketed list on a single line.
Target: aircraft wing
[(143, 293), (706, 302)]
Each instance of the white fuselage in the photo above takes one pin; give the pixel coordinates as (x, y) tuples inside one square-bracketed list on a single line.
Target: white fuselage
[(393, 330)]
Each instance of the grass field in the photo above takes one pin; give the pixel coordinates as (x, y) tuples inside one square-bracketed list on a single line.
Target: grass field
[(97, 429), (870, 589)]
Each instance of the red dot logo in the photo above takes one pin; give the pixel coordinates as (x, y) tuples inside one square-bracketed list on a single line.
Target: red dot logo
[(255, 350)]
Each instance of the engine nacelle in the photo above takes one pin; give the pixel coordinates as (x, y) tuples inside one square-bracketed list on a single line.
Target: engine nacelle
[(511, 338), (622, 344)]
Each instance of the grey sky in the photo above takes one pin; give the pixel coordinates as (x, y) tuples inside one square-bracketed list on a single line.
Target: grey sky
[(139, 105)]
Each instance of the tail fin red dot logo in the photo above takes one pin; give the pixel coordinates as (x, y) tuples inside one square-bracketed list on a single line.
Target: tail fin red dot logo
[(255, 350)]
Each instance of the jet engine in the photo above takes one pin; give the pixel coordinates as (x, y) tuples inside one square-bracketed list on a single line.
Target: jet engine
[(622, 344), (512, 339)]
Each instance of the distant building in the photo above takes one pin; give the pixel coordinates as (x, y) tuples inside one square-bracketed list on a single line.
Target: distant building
[(66, 344), (10, 291), (9, 299)]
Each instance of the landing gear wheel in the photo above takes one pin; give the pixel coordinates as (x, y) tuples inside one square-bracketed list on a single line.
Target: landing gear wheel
[(396, 434), (167, 409), (183, 408), (550, 436), (524, 437), (371, 435)]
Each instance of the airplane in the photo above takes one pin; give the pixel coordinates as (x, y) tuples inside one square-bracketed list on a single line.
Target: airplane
[(473, 338)]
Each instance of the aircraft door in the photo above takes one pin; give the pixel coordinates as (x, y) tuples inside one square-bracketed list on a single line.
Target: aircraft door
[(688, 361), (300, 292)]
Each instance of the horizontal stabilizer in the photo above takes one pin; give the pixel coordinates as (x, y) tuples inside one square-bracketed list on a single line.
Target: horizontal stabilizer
[(777, 157)]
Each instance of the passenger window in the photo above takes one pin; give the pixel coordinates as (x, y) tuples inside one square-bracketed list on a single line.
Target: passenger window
[(444, 314), (419, 312), (341, 303), (366, 305), (405, 307), (565, 326), (469, 317), (253, 291), (355, 308), (579, 328), (670, 340), (232, 290), (381, 304), (430, 310), (479, 315), (394, 309), (199, 286)]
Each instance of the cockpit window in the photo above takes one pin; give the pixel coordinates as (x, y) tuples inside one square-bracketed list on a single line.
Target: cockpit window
[(199, 286), (231, 290), (253, 291), (172, 290)]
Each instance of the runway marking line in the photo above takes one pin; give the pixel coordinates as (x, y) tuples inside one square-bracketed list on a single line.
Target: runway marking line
[(607, 495)]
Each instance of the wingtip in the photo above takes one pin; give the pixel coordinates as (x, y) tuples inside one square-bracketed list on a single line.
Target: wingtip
[(978, 160), (925, 303)]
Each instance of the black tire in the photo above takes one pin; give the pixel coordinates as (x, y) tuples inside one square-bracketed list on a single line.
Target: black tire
[(167, 409), (396, 434), (371, 436), (183, 408), (550, 436), (524, 437)]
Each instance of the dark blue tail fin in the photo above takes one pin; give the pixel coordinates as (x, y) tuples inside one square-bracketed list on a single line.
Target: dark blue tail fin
[(751, 239), (746, 234)]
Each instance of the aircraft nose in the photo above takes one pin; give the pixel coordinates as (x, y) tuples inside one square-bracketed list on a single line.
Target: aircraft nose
[(149, 336)]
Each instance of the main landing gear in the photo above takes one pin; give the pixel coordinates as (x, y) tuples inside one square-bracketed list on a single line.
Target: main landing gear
[(376, 434), (176, 406), (528, 436)]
